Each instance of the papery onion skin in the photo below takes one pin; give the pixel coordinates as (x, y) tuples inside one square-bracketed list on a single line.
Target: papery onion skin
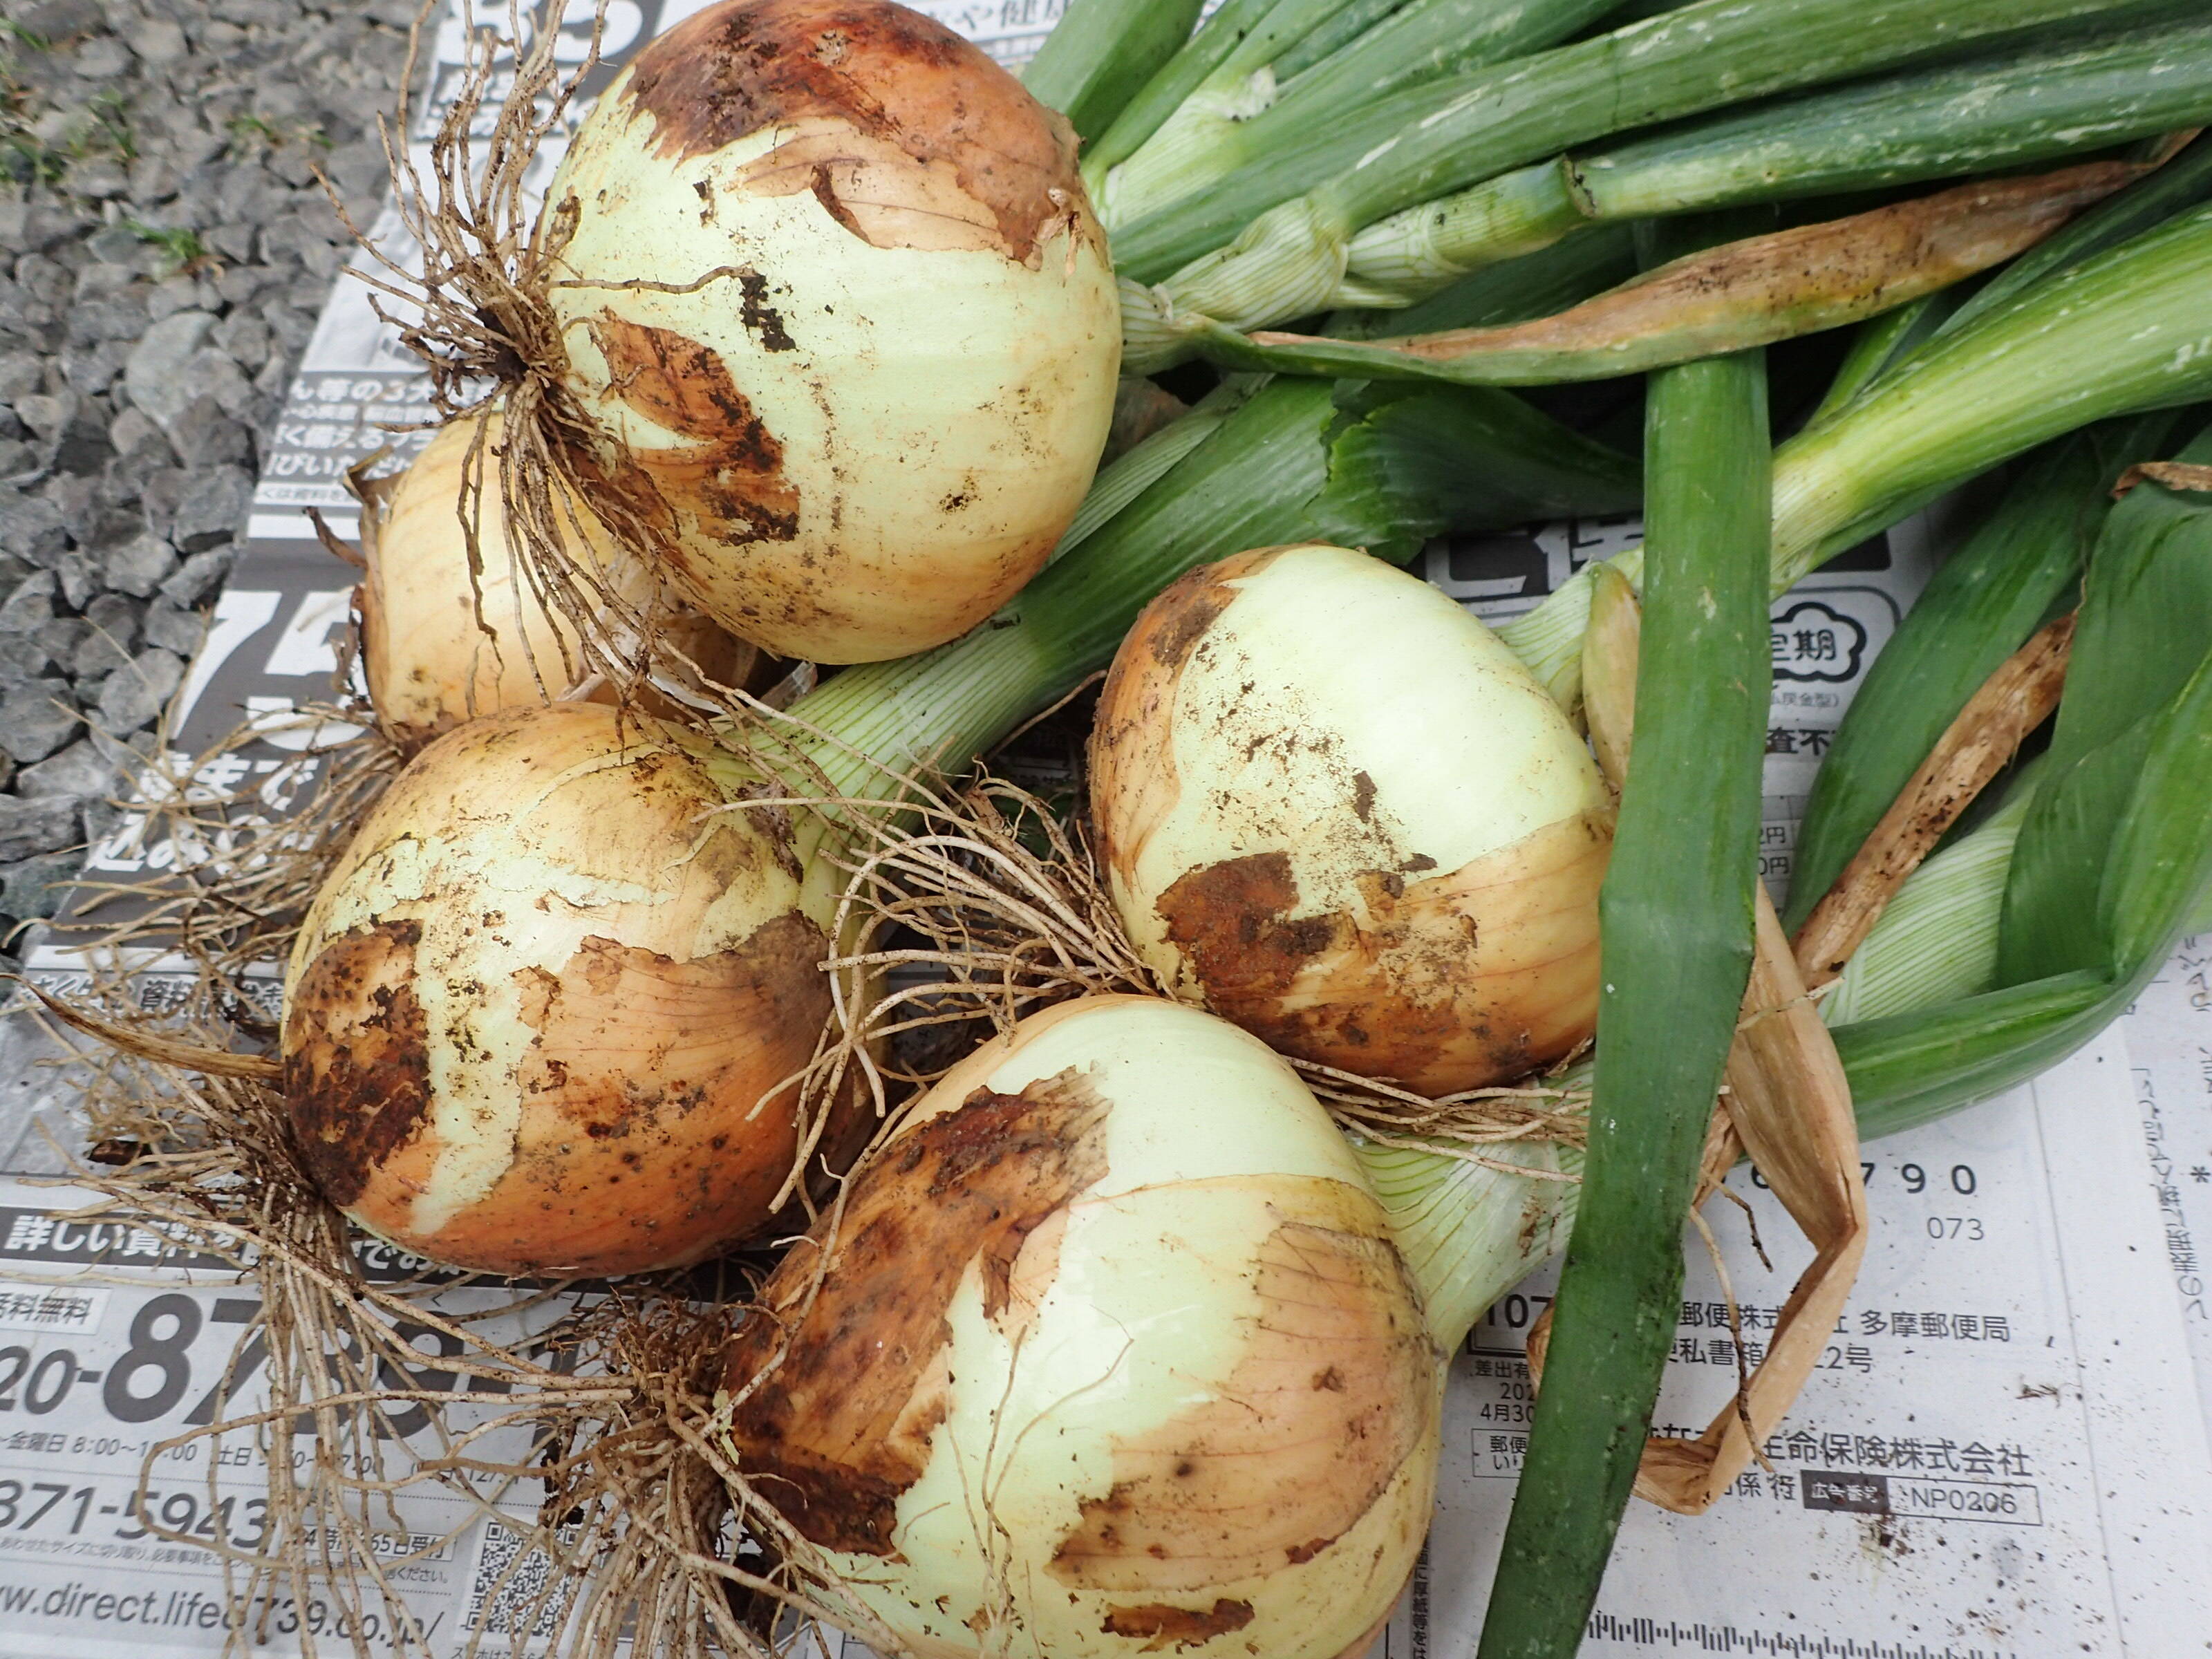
[(1333, 807), (1112, 1354), (425, 657), (871, 429), (532, 1011)]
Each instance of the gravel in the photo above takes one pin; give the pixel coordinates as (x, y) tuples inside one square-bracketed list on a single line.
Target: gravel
[(164, 247)]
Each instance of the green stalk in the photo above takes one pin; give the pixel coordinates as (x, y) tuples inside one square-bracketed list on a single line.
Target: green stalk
[(1881, 341), (1753, 292), (2141, 636), (2156, 883), (1552, 279), (1239, 37), (2125, 329), (1333, 36), (1676, 934), (1120, 480), (1426, 39), (2182, 184), (1425, 141), (1989, 113), (1101, 52), (1979, 608), (1937, 941), (1299, 461)]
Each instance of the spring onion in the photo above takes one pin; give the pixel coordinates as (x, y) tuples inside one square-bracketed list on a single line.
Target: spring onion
[(2006, 111), (1268, 243), (1677, 944), (2121, 331)]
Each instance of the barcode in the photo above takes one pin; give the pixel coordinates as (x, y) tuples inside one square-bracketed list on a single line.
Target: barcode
[(512, 1594), (1726, 1638)]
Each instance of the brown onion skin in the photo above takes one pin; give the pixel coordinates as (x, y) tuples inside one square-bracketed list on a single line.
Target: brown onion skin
[(1441, 980), (428, 662), (464, 1022)]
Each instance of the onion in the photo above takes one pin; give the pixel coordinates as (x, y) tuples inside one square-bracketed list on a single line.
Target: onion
[(1333, 807), (429, 661), (1111, 1353), (541, 1015), (866, 364)]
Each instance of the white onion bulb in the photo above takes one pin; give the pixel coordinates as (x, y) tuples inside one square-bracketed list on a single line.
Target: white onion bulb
[(1113, 1354), (538, 1018), (1333, 807), (870, 429), (427, 658)]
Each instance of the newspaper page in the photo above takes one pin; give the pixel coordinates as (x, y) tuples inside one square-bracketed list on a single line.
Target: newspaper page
[(2169, 1038), (2003, 1457)]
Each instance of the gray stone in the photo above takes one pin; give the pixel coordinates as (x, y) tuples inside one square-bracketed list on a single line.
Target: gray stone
[(152, 181), (94, 320), (198, 577), (92, 370), (174, 293), (63, 636), (23, 657), (239, 283), (292, 328), (45, 278), (62, 20), (83, 769), (36, 718), (114, 615), (80, 571), (18, 461), (15, 218), (97, 655), (212, 509), (50, 224), (47, 415), (131, 696), (234, 238), (102, 59), (137, 442), (31, 607), (159, 492), (245, 337), (78, 502), (205, 436), (39, 887), (20, 373), (140, 565), (99, 180), (156, 40), (155, 373), (31, 528), (31, 827), (170, 627), (121, 250)]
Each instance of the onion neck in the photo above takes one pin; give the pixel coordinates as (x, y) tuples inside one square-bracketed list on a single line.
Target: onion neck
[(1469, 1233)]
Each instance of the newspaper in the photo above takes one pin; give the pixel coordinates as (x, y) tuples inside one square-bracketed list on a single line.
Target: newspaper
[(2003, 1457)]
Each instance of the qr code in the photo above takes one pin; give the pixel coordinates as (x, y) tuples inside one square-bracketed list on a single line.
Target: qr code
[(513, 1593)]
